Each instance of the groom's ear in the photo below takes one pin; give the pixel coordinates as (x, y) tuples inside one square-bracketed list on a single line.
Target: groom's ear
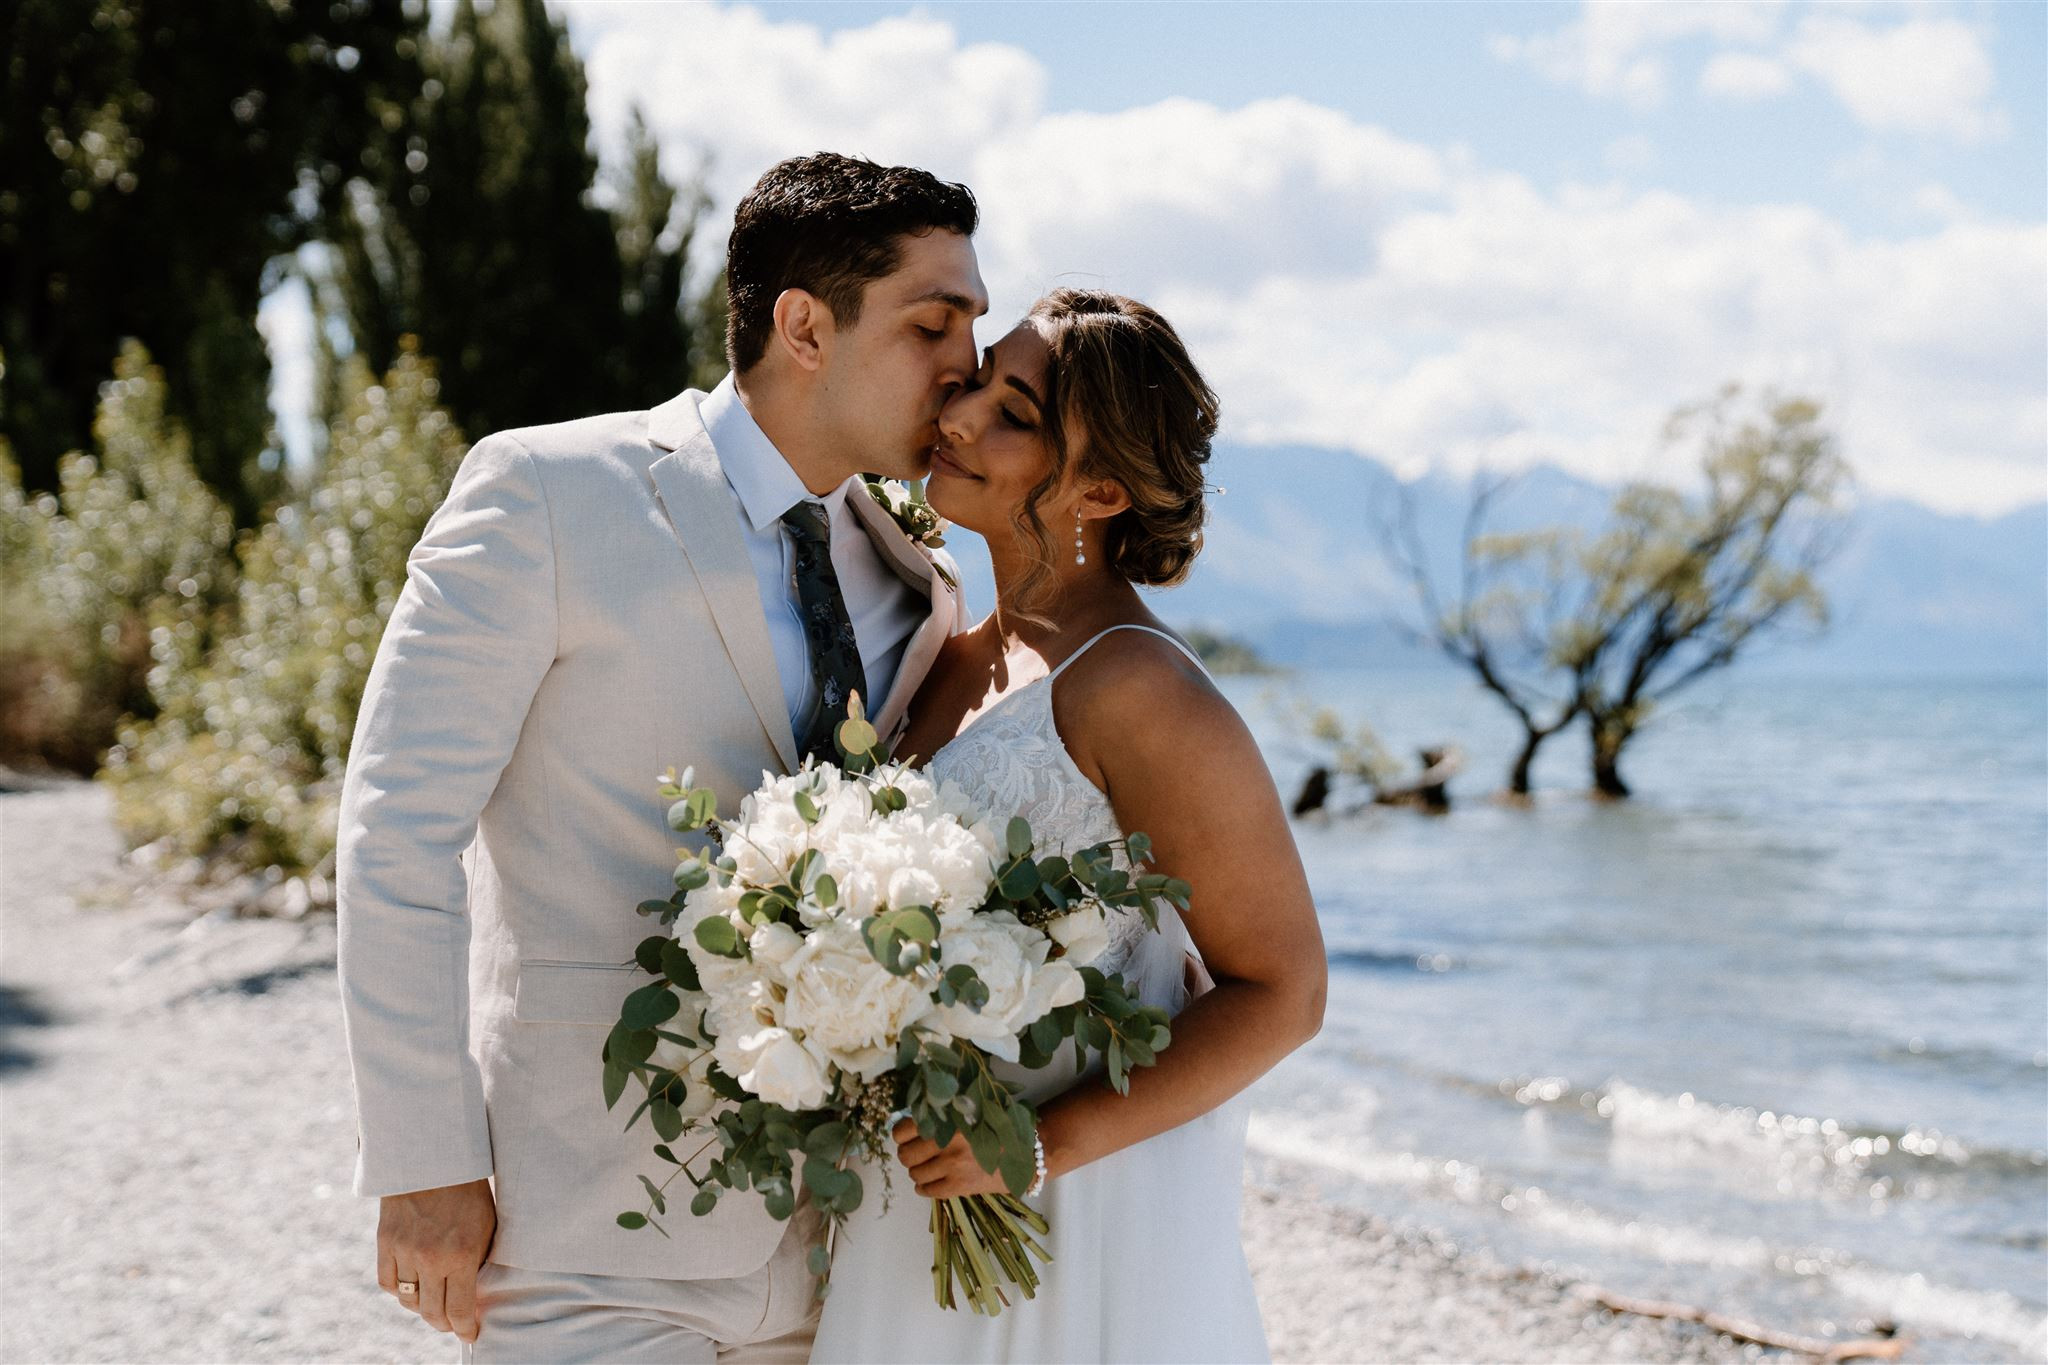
[(803, 327)]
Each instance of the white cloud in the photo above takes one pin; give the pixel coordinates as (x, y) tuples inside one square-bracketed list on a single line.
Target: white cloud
[(1937, 201), (1630, 152), (1616, 50), (755, 90), (1745, 76), (1922, 76), (1927, 74), (1343, 285)]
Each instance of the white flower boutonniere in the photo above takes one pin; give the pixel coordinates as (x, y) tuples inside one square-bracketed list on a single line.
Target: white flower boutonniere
[(905, 504)]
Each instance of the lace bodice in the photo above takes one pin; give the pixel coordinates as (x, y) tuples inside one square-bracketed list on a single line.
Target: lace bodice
[(1011, 761)]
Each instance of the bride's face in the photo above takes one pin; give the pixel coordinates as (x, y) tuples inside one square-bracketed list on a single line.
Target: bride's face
[(992, 448)]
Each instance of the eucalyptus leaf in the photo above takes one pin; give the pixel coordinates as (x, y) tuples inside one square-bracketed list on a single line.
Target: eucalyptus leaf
[(1021, 880), (615, 1076), (678, 967), (667, 1120), (648, 1006), (648, 952), (715, 934)]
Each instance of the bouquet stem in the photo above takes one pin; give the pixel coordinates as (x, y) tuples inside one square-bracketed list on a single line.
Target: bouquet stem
[(979, 1241)]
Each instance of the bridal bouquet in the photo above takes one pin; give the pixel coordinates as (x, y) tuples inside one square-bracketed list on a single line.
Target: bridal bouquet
[(857, 944)]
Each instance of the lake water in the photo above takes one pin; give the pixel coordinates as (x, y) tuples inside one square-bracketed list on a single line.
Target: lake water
[(1770, 1038)]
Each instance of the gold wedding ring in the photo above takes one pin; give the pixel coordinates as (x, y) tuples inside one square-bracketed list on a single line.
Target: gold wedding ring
[(408, 1287)]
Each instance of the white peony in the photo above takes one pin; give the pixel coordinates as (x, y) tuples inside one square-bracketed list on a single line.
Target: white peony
[(845, 1003), (1009, 957), (914, 858), (1083, 935), (771, 1063)]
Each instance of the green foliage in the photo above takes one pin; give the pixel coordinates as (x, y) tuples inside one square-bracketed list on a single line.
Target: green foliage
[(159, 156), (1352, 750), (483, 230), (1684, 584), (1561, 623), (1226, 654), (115, 583), (246, 755)]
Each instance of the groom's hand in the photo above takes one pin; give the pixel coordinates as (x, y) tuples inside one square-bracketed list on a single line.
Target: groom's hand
[(436, 1240)]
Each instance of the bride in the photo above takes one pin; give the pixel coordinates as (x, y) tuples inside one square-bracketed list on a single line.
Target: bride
[(1071, 705)]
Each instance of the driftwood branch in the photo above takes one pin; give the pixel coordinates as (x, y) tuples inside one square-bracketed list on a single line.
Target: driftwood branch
[(1880, 1347)]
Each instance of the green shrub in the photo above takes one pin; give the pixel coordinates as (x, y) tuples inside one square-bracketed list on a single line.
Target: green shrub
[(245, 758), (125, 571)]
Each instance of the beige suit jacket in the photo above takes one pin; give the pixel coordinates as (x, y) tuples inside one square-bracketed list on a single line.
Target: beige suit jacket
[(579, 615)]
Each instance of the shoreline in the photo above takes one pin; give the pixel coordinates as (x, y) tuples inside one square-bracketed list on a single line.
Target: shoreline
[(177, 1137)]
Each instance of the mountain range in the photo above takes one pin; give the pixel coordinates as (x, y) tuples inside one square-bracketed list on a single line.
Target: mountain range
[(1292, 565)]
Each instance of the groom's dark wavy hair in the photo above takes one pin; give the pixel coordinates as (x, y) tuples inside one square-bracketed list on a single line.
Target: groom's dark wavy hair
[(827, 224)]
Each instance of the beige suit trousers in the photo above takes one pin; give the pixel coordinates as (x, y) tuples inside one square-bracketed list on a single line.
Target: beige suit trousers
[(546, 1317)]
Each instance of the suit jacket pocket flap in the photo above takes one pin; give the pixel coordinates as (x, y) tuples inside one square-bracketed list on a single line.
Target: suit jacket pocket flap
[(573, 992)]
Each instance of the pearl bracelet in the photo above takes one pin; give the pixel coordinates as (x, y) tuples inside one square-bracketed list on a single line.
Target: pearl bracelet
[(1038, 1160)]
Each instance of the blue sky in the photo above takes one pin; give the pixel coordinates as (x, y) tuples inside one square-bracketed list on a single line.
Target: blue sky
[(1456, 235), (1424, 69)]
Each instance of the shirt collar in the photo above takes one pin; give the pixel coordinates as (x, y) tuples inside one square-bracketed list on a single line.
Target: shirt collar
[(759, 474)]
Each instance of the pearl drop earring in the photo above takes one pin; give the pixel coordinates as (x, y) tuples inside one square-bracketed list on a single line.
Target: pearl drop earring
[(1079, 557)]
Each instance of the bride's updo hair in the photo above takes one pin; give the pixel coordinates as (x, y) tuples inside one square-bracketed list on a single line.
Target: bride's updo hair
[(1120, 383)]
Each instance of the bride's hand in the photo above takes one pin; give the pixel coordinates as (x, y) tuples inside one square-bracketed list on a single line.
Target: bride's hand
[(942, 1172)]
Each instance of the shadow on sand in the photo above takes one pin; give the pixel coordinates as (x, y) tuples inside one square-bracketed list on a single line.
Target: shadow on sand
[(19, 1010)]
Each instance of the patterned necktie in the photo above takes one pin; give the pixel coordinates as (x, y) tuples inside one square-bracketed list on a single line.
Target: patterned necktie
[(828, 632)]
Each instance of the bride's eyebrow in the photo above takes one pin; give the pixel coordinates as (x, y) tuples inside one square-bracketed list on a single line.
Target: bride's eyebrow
[(988, 360), (1020, 386)]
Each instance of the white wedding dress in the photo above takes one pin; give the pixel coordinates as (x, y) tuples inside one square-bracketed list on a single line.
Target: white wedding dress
[(1147, 1258)]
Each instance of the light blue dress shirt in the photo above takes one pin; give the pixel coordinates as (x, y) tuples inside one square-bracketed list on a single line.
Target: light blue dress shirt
[(884, 609)]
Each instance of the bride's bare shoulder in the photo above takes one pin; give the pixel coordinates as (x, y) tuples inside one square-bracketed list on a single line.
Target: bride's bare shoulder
[(1134, 694)]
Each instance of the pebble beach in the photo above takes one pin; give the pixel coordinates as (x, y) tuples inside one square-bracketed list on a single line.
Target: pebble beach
[(176, 1134)]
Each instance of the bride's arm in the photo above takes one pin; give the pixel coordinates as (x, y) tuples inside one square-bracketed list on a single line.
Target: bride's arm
[(1179, 764)]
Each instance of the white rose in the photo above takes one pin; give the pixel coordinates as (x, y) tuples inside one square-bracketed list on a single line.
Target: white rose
[(774, 1065), (1083, 936), (1009, 957), (773, 944), (846, 1004)]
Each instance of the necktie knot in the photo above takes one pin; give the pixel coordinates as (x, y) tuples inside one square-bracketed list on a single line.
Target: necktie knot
[(806, 521)]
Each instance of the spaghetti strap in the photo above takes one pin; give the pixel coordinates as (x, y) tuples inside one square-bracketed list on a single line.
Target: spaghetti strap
[(1129, 625)]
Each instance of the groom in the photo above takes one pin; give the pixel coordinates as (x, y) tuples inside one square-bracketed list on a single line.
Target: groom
[(700, 586)]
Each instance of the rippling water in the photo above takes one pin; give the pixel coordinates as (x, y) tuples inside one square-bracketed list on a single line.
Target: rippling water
[(1771, 1037)]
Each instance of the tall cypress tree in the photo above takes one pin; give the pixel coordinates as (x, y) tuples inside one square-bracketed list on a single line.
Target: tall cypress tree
[(157, 157), (484, 237)]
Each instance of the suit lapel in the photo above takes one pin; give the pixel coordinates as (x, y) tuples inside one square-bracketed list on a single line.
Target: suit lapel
[(691, 485), (910, 562)]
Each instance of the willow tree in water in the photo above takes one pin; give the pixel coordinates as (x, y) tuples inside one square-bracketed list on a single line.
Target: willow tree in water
[(1687, 582), (1563, 622), (1514, 596)]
